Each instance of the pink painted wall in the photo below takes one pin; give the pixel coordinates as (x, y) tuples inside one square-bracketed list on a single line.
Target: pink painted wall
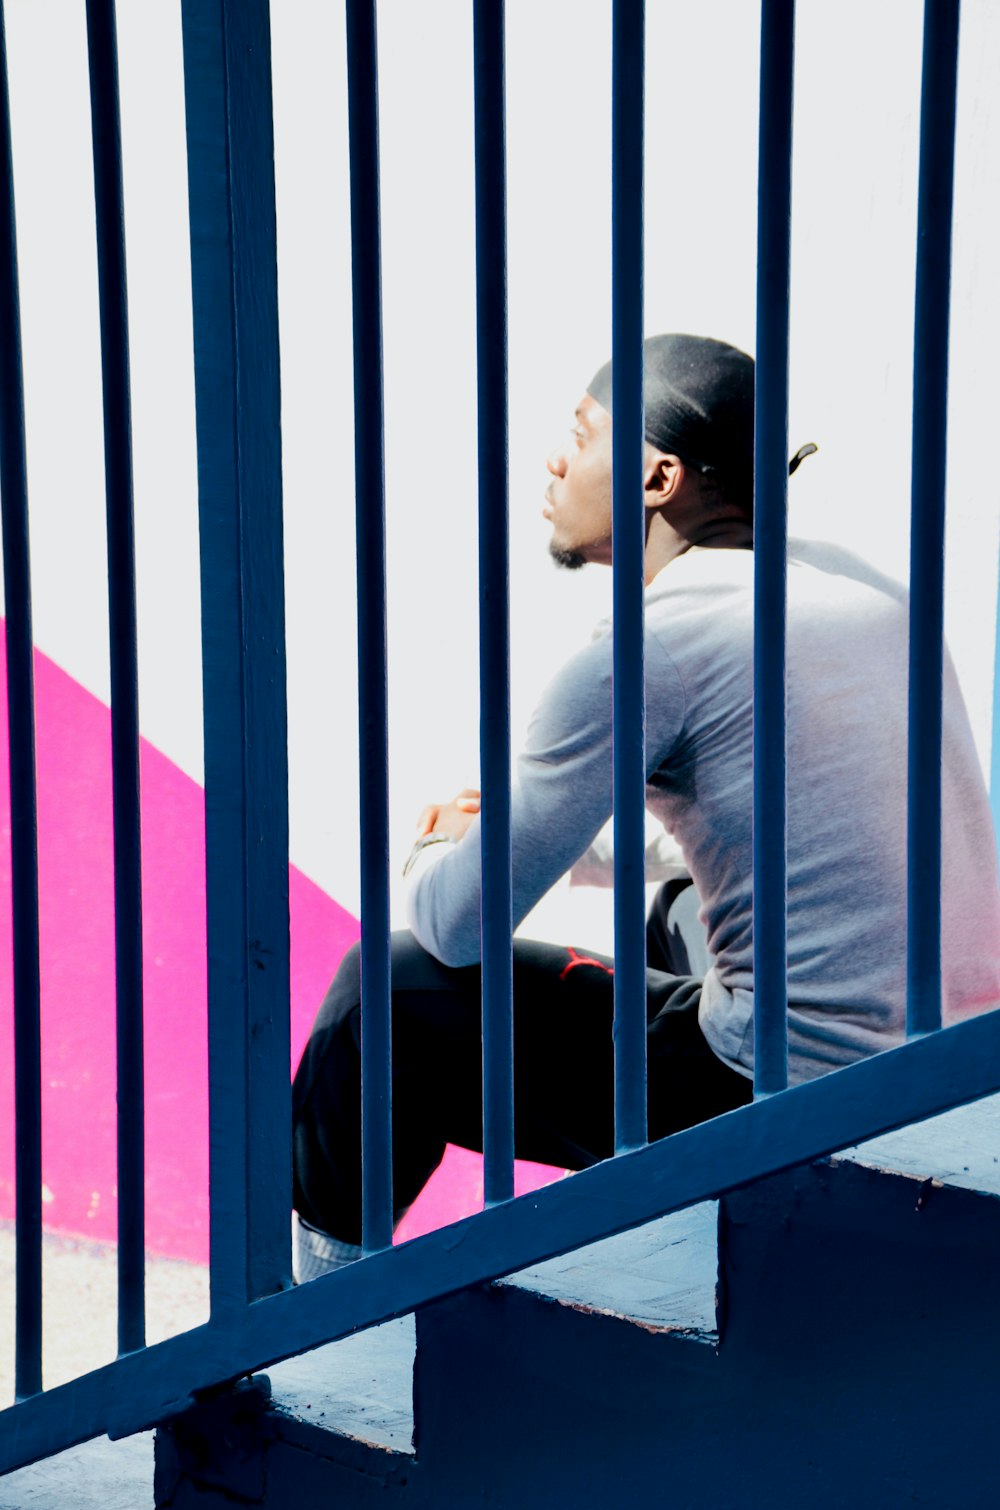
[(78, 1001)]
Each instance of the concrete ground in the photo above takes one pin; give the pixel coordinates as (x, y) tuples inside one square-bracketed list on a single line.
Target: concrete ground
[(79, 1332), (79, 1324)]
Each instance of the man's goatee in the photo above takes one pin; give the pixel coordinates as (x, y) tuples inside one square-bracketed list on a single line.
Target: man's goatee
[(571, 560)]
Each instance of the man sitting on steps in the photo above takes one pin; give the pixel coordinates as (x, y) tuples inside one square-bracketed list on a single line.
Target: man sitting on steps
[(847, 674)]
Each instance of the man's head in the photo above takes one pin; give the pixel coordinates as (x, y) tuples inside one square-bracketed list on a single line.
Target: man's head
[(698, 464)]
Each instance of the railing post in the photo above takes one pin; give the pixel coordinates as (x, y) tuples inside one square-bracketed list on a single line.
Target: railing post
[(929, 469), (23, 805), (774, 210), (234, 280), (628, 549)]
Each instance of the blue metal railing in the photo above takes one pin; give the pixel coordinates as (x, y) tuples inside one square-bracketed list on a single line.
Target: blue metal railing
[(109, 199), (628, 550), (255, 1318), (234, 295), (23, 806), (366, 273), (774, 214), (930, 431), (494, 601)]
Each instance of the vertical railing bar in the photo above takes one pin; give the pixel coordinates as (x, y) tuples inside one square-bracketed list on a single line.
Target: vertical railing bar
[(111, 267), (927, 520), (628, 550), (774, 208), (494, 602), (23, 800), (234, 300), (376, 1038), (268, 1127)]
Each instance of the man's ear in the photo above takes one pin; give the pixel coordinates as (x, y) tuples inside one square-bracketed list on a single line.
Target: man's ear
[(663, 478)]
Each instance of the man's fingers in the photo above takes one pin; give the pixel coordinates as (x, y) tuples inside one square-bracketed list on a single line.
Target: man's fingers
[(467, 801), (427, 820)]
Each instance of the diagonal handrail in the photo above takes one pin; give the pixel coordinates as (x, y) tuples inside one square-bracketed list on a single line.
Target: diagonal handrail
[(907, 1084)]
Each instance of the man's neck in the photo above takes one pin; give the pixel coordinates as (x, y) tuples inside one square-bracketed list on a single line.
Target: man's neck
[(664, 543)]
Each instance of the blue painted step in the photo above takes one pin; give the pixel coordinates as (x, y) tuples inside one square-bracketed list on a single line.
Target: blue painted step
[(854, 1357), (339, 1422), (858, 1358), (662, 1276)]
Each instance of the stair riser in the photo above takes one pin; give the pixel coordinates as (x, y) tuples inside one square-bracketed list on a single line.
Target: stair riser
[(859, 1361)]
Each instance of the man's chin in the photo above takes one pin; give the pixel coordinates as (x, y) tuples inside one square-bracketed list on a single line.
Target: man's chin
[(570, 559)]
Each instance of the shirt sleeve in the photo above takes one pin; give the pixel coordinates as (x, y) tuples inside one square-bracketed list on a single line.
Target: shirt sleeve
[(561, 796)]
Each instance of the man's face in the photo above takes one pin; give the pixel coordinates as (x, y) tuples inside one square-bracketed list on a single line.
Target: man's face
[(578, 498)]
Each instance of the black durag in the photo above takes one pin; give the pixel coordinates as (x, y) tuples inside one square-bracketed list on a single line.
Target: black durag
[(698, 396)]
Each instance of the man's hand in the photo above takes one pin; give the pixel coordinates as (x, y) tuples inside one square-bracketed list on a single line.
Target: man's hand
[(450, 819)]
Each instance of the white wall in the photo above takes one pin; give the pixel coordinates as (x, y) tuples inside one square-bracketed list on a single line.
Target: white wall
[(855, 211)]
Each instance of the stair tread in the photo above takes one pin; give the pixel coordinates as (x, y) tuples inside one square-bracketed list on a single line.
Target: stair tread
[(662, 1275), (98, 1475), (361, 1386), (960, 1148)]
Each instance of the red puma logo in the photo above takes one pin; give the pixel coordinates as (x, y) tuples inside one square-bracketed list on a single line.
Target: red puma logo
[(584, 959)]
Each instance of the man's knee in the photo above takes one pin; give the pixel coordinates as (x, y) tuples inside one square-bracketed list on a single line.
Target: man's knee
[(412, 969), (347, 978), (343, 995)]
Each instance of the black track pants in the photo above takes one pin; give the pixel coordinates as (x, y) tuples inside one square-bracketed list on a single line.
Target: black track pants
[(563, 1071)]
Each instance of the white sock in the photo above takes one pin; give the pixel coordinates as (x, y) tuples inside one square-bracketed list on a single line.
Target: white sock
[(315, 1252)]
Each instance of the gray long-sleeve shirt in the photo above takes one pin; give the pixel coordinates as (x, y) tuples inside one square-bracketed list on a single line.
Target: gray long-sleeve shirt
[(847, 678)]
